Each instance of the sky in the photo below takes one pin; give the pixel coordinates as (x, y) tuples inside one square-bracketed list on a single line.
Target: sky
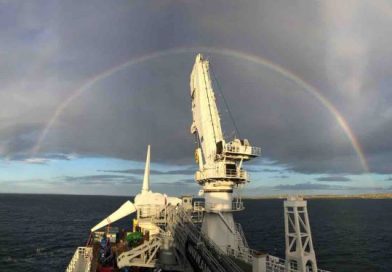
[(85, 86)]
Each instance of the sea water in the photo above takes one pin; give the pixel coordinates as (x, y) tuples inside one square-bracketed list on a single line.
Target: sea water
[(41, 232)]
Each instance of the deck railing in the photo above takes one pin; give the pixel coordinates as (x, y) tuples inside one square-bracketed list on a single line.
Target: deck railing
[(236, 205), (81, 260), (150, 211), (243, 149), (222, 173), (241, 234), (273, 263), (276, 264)]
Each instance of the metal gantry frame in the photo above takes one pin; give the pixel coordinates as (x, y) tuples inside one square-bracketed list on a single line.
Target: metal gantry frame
[(141, 256), (300, 255)]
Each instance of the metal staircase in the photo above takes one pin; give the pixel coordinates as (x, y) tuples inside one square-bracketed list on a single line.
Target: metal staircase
[(241, 235)]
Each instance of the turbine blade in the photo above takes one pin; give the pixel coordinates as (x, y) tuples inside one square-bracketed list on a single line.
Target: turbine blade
[(126, 209)]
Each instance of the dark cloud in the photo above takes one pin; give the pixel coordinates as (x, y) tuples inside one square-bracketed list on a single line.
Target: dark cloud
[(116, 180), (99, 179), (189, 171), (42, 159), (281, 177), (58, 156), (260, 170), (17, 139), (185, 182), (333, 178), (67, 44), (191, 181)]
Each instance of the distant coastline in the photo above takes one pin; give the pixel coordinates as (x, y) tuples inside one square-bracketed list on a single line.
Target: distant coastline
[(283, 196), (356, 196)]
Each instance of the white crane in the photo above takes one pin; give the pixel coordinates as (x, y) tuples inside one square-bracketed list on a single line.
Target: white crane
[(220, 162)]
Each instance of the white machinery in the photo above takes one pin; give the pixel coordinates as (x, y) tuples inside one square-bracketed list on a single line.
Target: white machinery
[(220, 162), (149, 207), (147, 204)]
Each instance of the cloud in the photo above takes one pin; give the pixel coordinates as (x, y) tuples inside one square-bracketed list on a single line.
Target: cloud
[(184, 182), (36, 160), (99, 179), (149, 103), (17, 138), (120, 179), (191, 181), (46, 158), (260, 170), (60, 156), (189, 171), (282, 177), (333, 178)]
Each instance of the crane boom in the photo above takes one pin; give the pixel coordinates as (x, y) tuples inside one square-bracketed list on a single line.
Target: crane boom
[(217, 159), (206, 121)]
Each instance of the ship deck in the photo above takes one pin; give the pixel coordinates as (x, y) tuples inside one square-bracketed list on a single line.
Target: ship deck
[(116, 249)]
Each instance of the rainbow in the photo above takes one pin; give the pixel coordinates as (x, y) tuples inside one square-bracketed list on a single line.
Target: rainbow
[(311, 90)]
